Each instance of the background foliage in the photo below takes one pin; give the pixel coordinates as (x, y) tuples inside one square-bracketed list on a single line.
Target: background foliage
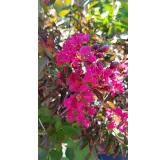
[(106, 21)]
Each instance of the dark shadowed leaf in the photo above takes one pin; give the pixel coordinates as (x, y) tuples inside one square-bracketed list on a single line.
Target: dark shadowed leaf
[(41, 153), (55, 155), (41, 64), (59, 136), (51, 131), (70, 153), (57, 121), (71, 131), (81, 154), (98, 94), (51, 2)]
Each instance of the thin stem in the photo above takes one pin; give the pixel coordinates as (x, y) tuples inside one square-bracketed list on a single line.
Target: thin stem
[(42, 134), (42, 126), (106, 96)]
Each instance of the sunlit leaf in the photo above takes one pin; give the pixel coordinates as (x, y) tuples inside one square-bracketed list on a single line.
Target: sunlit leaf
[(100, 116), (63, 13), (111, 104), (58, 5), (68, 2), (59, 2), (93, 4)]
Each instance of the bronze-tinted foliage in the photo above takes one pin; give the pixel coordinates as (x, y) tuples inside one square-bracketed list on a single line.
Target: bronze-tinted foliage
[(54, 27)]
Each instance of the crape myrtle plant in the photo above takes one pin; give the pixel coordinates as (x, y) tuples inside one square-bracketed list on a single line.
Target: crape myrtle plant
[(83, 79)]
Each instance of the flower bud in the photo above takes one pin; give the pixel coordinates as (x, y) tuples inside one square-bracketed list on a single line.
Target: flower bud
[(99, 55), (65, 68), (108, 88), (103, 49), (114, 64), (95, 46)]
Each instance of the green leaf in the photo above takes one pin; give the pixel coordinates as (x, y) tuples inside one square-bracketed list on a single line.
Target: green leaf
[(41, 64), (51, 131), (40, 49), (70, 131), (44, 115), (71, 144), (58, 5), (80, 154), (108, 7), (44, 111), (51, 2), (63, 13), (44, 7), (55, 155), (40, 76), (59, 136), (41, 153), (93, 4), (49, 54), (58, 122), (68, 2), (64, 158), (70, 153)]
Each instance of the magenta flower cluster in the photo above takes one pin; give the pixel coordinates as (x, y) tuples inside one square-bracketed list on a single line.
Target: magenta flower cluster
[(118, 119), (88, 73)]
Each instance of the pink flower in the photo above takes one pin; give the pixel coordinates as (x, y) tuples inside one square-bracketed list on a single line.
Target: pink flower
[(123, 67), (80, 116), (91, 111), (70, 48), (94, 75), (89, 73), (76, 62), (124, 115), (108, 113), (76, 84), (123, 127), (87, 96), (118, 111), (75, 104), (68, 102), (70, 116), (111, 125), (64, 56), (86, 123), (86, 55)]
